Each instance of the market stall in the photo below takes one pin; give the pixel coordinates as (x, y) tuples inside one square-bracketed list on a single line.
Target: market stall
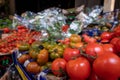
[(80, 43)]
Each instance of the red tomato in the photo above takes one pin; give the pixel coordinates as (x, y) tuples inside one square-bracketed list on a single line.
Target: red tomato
[(114, 43), (114, 40), (106, 36), (58, 66), (94, 49), (31, 41), (70, 53), (20, 27), (6, 30), (78, 69), (88, 39), (117, 31), (108, 48), (65, 28), (117, 46), (93, 76), (107, 66)]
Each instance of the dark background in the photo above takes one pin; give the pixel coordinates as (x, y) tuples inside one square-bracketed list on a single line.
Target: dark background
[(38, 5)]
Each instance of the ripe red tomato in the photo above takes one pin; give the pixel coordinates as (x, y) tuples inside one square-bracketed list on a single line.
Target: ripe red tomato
[(31, 41), (114, 40), (117, 46), (88, 39), (114, 43), (108, 48), (107, 66), (20, 27), (70, 53), (93, 76), (106, 36), (6, 30), (117, 31), (78, 69), (65, 28), (94, 49), (58, 66)]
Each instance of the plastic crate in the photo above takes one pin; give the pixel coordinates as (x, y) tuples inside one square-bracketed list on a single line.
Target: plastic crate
[(26, 75)]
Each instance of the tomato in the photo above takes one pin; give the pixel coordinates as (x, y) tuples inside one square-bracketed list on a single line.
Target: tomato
[(78, 69), (58, 67), (56, 51), (107, 66), (117, 46), (65, 28), (117, 31), (94, 49), (65, 41), (23, 46), (33, 53), (20, 27), (106, 36), (114, 43), (31, 41), (70, 53), (114, 40), (75, 38), (88, 39), (6, 30), (93, 76), (42, 57), (33, 68), (108, 48), (76, 45), (23, 58), (35, 44)]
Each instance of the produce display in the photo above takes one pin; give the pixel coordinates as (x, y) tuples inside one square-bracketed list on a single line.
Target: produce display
[(44, 44), (5, 22)]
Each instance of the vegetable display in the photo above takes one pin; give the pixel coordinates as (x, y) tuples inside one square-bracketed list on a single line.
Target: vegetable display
[(45, 44)]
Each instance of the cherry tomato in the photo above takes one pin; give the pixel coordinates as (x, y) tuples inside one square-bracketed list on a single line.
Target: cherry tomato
[(65, 28), (20, 27), (6, 30)]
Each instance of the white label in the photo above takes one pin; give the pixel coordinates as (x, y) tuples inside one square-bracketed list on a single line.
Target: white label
[(26, 63)]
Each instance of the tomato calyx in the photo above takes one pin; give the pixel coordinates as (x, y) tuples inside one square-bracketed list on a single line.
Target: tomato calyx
[(61, 71), (82, 53)]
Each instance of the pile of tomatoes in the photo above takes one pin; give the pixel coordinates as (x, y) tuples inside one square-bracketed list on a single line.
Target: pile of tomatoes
[(78, 57), (22, 34), (97, 59)]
